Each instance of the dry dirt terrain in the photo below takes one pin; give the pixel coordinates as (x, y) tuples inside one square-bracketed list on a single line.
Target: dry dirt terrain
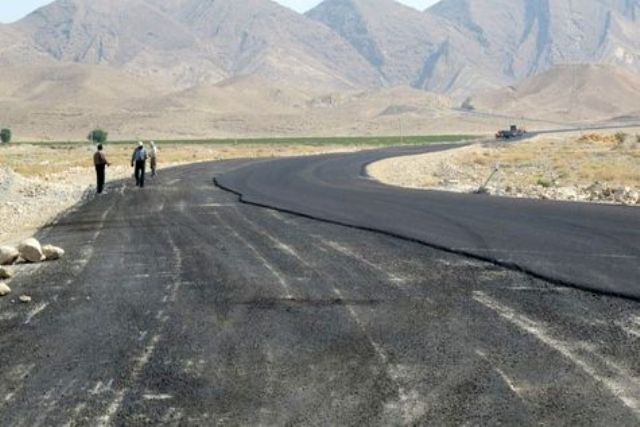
[(589, 167), (40, 181)]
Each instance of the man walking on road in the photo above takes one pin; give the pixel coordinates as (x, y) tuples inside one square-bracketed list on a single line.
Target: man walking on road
[(153, 158), (139, 161), (101, 163)]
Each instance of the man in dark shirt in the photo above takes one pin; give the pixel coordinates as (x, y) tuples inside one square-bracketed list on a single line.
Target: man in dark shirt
[(139, 161), (100, 162)]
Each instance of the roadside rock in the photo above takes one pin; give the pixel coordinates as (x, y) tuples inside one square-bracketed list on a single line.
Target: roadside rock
[(52, 253), (633, 197), (566, 193), (8, 255), (31, 251), (620, 194), (6, 273), (4, 289)]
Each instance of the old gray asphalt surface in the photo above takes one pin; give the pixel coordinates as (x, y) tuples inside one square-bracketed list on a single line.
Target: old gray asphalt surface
[(590, 246), (176, 305)]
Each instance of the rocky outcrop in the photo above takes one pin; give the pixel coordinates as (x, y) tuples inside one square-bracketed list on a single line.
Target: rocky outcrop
[(8, 255), (31, 251), (4, 289)]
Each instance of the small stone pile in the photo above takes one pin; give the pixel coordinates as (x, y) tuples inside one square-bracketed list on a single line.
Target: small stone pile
[(30, 251)]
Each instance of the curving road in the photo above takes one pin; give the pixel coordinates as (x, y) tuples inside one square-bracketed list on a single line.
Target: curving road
[(596, 247), (177, 305)]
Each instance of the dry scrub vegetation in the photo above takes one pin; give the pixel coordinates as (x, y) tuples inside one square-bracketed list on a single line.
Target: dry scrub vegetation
[(593, 167)]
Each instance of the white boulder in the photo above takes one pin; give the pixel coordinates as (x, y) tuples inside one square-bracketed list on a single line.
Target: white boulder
[(4, 289), (31, 251), (52, 252), (8, 255)]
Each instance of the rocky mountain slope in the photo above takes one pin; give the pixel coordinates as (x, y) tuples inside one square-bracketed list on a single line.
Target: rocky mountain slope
[(189, 42), (463, 46), (456, 47), (405, 46), (525, 37), (252, 67)]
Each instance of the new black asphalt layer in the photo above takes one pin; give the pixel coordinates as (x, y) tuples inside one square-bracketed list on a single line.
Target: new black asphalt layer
[(177, 305), (595, 247)]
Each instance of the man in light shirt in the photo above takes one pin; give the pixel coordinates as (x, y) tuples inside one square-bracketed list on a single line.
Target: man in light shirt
[(153, 158)]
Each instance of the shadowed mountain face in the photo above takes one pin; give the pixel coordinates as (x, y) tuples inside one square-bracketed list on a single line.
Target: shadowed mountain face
[(463, 46), (456, 47), (405, 45), (525, 37), (195, 41)]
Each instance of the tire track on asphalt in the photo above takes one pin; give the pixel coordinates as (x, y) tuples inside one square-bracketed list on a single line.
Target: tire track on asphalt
[(620, 382), (606, 365), (161, 318), (409, 406), (260, 257), (77, 268)]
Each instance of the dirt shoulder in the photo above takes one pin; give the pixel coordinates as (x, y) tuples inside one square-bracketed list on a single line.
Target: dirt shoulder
[(40, 181), (590, 167)]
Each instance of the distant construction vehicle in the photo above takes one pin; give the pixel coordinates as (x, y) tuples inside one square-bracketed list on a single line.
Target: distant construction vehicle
[(512, 132)]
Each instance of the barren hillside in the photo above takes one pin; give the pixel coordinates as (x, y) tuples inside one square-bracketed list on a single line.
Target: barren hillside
[(234, 68), (194, 42)]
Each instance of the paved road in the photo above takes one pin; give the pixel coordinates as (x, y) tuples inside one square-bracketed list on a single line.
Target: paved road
[(589, 246), (176, 305)]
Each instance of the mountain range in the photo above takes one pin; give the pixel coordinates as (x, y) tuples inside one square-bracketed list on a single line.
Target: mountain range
[(173, 49)]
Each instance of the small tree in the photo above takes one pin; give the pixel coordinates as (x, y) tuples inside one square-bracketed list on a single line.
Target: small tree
[(98, 136), (5, 136)]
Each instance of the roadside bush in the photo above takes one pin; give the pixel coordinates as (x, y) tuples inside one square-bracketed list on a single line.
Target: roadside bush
[(620, 137), (98, 136), (5, 136), (638, 139), (544, 183)]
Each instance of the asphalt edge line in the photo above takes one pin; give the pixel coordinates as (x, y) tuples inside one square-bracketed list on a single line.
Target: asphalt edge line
[(467, 254)]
